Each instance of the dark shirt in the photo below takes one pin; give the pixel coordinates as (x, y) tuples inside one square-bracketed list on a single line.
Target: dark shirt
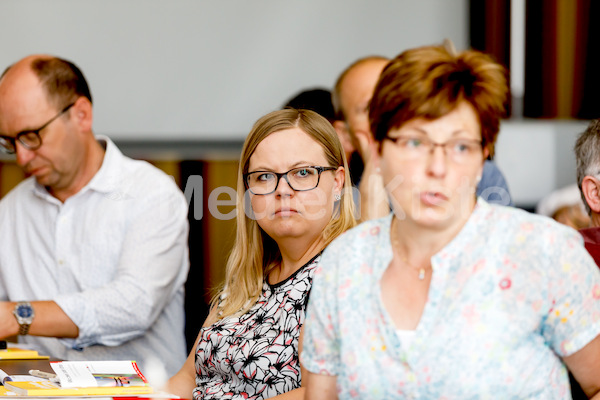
[(591, 237)]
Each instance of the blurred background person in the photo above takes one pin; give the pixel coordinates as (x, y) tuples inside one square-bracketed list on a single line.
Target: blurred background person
[(351, 96), (449, 296), (565, 206), (319, 101), (587, 153)]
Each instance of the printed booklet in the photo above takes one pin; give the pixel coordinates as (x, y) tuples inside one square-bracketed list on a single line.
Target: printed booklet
[(86, 378)]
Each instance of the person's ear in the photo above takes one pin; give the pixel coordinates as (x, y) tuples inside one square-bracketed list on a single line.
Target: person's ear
[(590, 187), (82, 114), (367, 146), (341, 128), (486, 153), (339, 179)]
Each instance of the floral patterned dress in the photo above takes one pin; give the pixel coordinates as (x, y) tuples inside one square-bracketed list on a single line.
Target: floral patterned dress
[(255, 355), (510, 296)]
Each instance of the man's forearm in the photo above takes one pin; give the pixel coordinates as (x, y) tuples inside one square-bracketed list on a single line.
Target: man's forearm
[(50, 320)]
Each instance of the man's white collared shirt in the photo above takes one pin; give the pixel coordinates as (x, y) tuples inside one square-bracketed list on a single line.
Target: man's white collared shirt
[(114, 257)]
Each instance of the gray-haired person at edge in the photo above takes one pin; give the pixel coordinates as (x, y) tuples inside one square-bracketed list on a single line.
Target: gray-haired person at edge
[(293, 198), (587, 154), (449, 297), (94, 243), (351, 95)]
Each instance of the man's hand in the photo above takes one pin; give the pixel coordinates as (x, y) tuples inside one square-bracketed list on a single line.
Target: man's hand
[(50, 320), (373, 196), (9, 326)]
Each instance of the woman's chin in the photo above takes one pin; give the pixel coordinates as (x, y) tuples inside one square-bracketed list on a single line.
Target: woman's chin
[(432, 222), (285, 228), (434, 217)]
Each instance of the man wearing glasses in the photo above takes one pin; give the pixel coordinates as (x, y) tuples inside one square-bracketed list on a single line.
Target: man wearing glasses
[(94, 244)]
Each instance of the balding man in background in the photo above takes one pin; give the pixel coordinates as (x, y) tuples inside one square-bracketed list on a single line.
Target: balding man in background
[(94, 244)]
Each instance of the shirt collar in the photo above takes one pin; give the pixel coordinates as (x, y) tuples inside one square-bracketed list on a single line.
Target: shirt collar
[(109, 176), (456, 244), (106, 180)]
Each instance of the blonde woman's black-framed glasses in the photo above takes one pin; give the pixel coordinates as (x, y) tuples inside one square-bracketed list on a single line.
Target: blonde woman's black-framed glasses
[(299, 179)]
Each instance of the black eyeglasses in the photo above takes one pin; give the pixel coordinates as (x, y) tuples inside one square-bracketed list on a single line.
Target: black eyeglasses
[(299, 179), (29, 139)]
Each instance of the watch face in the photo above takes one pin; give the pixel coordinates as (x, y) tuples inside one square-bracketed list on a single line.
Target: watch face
[(24, 311)]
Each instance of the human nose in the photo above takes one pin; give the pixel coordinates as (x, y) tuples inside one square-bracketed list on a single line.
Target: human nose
[(438, 159), (24, 155), (283, 186)]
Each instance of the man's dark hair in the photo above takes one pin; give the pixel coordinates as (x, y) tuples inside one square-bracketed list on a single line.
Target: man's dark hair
[(64, 82), (317, 100)]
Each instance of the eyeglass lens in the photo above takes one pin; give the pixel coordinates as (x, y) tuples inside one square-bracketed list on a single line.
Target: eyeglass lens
[(265, 182), (29, 139), (459, 150)]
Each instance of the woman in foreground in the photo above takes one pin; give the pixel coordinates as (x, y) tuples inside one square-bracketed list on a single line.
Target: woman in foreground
[(449, 297), (293, 199)]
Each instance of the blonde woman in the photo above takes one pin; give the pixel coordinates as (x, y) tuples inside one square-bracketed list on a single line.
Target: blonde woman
[(293, 199)]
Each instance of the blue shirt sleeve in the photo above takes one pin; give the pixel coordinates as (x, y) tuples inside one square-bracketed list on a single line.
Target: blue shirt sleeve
[(493, 187)]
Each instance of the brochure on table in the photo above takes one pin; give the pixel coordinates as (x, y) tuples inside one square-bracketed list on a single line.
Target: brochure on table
[(86, 378)]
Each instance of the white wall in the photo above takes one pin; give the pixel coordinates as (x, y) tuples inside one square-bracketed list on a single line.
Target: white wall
[(188, 69), (206, 70), (536, 157)]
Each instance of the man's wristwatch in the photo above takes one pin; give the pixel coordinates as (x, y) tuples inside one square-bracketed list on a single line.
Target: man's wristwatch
[(24, 314)]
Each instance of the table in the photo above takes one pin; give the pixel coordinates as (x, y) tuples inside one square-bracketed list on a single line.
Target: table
[(22, 367)]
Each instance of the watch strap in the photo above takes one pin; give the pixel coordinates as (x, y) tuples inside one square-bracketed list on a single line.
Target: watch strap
[(24, 329)]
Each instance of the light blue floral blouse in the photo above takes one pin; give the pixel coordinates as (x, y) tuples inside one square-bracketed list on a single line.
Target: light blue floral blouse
[(509, 295)]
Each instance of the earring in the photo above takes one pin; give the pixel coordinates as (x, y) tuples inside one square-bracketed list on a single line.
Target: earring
[(337, 197)]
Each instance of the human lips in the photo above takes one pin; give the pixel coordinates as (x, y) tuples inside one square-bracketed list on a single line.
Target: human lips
[(285, 212), (433, 198), (35, 171)]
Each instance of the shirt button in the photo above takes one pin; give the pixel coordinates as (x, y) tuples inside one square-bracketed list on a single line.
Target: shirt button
[(61, 262)]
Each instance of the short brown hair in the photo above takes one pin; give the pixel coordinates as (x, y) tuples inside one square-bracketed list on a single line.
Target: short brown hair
[(63, 80), (429, 82)]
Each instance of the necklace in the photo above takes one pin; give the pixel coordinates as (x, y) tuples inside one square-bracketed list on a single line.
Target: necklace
[(421, 269), (404, 259)]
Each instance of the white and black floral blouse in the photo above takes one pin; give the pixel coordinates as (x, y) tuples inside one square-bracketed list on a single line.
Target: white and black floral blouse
[(255, 355)]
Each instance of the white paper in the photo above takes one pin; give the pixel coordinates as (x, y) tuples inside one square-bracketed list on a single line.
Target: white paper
[(81, 373)]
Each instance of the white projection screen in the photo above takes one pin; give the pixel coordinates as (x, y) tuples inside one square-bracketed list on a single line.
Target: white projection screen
[(197, 70)]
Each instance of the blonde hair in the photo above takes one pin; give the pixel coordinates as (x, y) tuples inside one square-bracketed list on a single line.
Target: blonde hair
[(254, 253)]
